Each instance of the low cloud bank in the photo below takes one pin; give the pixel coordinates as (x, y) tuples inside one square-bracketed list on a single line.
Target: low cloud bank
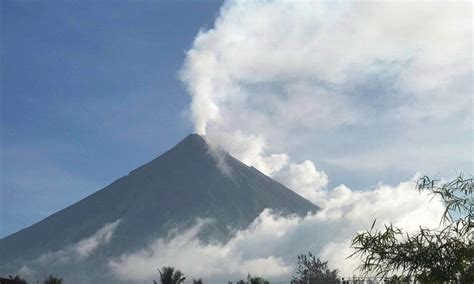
[(82, 249), (270, 245), (64, 259), (186, 252)]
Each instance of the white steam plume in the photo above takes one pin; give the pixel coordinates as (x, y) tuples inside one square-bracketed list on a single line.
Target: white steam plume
[(357, 85)]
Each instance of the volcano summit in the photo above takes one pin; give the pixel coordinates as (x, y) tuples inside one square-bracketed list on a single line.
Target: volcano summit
[(167, 194)]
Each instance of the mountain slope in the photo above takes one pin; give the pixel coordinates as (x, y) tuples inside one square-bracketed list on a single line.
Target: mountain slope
[(191, 180)]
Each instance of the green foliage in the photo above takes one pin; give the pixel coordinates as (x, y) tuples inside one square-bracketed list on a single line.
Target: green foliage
[(430, 255), (168, 275), (256, 280), (312, 270), (52, 280), (17, 278), (395, 279)]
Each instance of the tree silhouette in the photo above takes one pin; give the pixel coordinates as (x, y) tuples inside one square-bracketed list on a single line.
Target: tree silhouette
[(168, 275), (430, 255), (256, 280), (18, 279), (198, 281), (312, 270), (52, 280)]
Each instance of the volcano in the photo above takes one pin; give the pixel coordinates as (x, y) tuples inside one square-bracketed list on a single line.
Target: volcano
[(192, 180)]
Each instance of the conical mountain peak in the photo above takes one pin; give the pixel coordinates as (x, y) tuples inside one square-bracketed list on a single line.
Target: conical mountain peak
[(171, 191), (193, 140), (192, 148)]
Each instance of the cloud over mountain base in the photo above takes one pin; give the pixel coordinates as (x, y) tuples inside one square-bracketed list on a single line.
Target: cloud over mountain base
[(269, 246)]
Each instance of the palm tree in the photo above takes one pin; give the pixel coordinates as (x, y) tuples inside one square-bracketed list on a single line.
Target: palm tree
[(52, 280), (168, 275)]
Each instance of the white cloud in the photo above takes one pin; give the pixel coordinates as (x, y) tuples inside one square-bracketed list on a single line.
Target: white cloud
[(305, 180), (66, 261), (250, 150), (270, 245), (25, 271), (340, 82), (82, 249), (195, 258)]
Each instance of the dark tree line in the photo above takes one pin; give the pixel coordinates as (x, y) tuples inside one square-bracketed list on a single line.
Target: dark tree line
[(47, 280)]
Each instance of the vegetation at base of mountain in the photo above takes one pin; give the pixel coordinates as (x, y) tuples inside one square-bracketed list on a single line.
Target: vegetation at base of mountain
[(52, 280), (18, 279), (169, 275), (256, 280), (429, 255), (311, 269)]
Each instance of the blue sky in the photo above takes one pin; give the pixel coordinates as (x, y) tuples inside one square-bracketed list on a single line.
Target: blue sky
[(89, 92), (331, 93)]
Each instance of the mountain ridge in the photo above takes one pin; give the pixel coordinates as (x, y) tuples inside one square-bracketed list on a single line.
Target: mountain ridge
[(171, 191)]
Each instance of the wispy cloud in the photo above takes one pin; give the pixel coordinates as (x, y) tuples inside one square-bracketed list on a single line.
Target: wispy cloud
[(82, 249), (65, 261)]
